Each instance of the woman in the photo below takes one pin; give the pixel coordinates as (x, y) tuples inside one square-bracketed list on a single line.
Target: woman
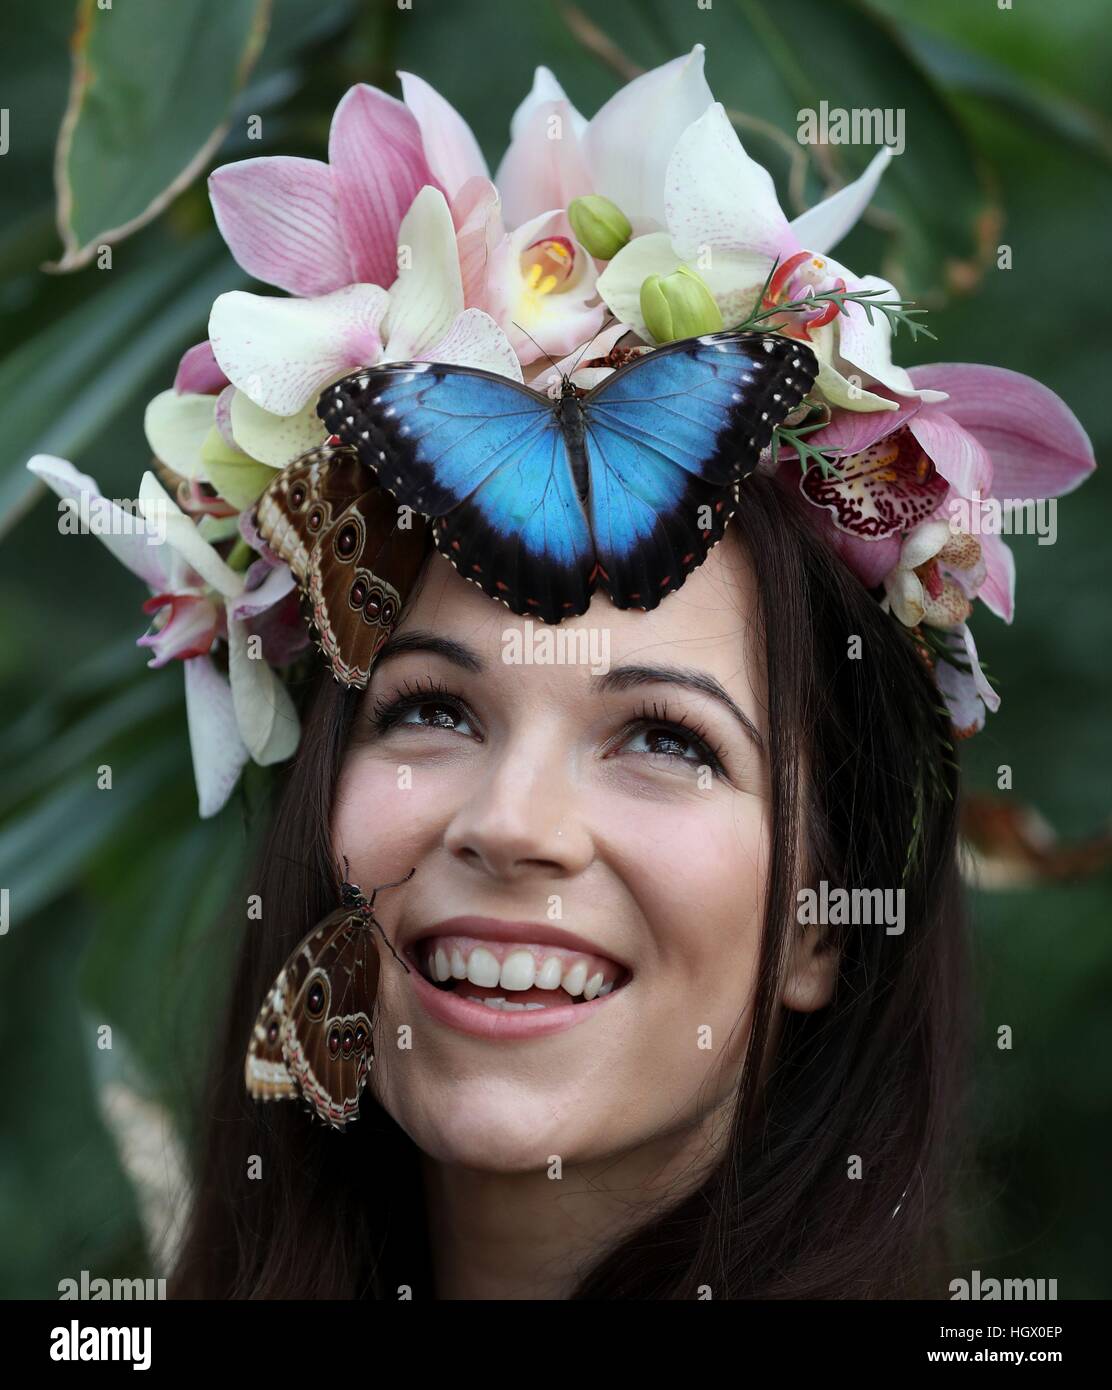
[(764, 1104)]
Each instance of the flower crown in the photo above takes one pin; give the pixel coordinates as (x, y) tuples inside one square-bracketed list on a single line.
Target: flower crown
[(403, 249)]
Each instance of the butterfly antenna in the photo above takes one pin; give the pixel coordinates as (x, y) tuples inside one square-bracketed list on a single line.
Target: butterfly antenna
[(538, 346)]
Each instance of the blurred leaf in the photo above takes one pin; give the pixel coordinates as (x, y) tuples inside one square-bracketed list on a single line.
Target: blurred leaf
[(150, 102), (59, 389)]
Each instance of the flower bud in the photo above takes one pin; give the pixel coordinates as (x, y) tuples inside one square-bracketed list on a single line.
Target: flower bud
[(679, 306), (600, 226)]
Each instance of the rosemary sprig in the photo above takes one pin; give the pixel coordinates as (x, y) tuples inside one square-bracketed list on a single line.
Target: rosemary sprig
[(808, 455), (896, 311)]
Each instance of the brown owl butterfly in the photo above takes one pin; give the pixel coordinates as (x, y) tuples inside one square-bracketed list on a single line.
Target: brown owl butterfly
[(355, 561), (313, 1035)]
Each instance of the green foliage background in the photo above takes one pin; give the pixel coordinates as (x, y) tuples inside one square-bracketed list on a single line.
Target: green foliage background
[(118, 899)]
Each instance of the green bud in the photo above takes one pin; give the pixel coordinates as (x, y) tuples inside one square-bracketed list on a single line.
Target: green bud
[(600, 226), (679, 306)]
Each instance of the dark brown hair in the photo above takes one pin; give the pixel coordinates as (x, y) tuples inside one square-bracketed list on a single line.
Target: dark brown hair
[(878, 1073)]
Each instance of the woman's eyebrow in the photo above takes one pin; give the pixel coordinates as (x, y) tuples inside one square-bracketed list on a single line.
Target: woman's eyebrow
[(419, 640), (701, 682), (618, 678)]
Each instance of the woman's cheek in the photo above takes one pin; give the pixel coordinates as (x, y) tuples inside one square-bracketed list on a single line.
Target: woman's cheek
[(382, 806)]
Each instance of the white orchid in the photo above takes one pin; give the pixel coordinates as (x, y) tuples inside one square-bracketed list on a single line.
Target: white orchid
[(196, 597)]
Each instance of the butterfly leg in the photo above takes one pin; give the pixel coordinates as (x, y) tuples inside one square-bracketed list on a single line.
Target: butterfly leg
[(370, 906)]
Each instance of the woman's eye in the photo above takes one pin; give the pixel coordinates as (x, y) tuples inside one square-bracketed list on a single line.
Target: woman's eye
[(660, 739), (432, 714)]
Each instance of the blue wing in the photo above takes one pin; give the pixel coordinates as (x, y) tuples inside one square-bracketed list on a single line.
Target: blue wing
[(486, 458), (668, 438)]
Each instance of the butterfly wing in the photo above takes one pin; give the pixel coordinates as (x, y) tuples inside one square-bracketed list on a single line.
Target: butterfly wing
[(313, 1035), (485, 457), (668, 438), (354, 556)]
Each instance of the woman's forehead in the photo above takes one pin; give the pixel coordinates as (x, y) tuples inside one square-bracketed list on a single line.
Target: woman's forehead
[(710, 623)]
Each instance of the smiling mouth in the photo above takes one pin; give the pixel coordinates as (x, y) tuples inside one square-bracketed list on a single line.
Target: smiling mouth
[(510, 978)]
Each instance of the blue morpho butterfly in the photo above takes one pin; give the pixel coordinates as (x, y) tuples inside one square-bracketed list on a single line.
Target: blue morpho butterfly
[(538, 501)]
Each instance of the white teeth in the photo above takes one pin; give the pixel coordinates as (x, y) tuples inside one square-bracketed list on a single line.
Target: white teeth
[(482, 967), (550, 974), (576, 977), (519, 970)]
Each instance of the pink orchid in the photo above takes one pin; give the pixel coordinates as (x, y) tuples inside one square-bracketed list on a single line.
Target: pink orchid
[(248, 714), (905, 512)]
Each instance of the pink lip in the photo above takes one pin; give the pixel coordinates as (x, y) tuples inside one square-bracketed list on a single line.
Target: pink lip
[(494, 929), (481, 1021)]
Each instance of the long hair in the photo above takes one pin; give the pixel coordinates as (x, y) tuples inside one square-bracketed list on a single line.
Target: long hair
[(841, 1165)]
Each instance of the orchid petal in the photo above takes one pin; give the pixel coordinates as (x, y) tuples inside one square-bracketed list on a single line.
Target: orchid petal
[(542, 170), (659, 105), (280, 218), (824, 225), (717, 196), (545, 88), (275, 439), (283, 352), (905, 595), (848, 394), (379, 165), (185, 540), (1037, 445), (997, 593), (278, 582), (481, 245), (127, 535), (923, 542), (219, 754), (961, 460), (870, 560), (176, 427), (450, 146), (199, 372), (852, 432), (868, 346), (427, 296), (265, 713), (967, 693), (475, 340)]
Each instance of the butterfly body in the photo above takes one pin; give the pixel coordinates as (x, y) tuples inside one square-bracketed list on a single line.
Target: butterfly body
[(313, 1036), (628, 486)]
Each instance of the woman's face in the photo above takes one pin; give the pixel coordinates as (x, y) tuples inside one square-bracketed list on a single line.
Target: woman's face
[(620, 798)]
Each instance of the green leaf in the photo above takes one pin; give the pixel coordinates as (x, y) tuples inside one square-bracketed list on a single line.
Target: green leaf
[(61, 388), (150, 101)]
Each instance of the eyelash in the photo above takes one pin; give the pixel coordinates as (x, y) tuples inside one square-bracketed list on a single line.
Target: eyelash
[(386, 712)]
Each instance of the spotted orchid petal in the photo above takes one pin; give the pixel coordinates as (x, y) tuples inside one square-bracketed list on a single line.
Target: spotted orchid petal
[(475, 340), (281, 353)]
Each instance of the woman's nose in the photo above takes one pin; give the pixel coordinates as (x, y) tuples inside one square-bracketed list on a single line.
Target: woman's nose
[(523, 816)]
